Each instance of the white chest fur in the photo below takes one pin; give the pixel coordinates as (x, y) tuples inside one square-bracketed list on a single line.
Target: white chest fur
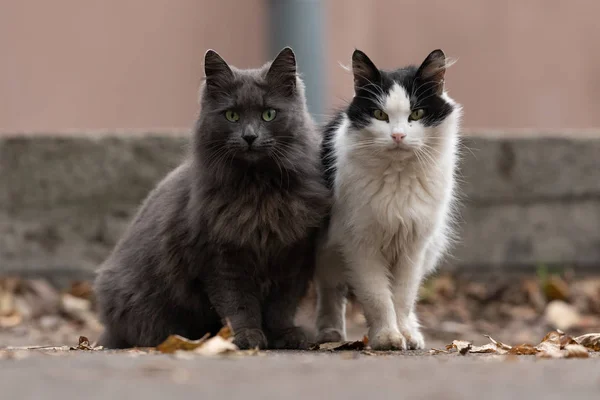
[(391, 201)]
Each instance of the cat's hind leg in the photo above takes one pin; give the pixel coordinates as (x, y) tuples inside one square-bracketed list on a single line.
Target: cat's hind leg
[(331, 296)]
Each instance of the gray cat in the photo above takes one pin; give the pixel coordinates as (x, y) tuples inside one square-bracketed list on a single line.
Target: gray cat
[(230, 234)]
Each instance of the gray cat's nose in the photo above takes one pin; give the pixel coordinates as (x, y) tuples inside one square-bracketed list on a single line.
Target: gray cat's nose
[(249, 138)]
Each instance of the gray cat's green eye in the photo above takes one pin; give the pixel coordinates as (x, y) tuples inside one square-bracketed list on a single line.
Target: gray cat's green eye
[(380, 115), (232, 116), (416, 114), (269, 114)]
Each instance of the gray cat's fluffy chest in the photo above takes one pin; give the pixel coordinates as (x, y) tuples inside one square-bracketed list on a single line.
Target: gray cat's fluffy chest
[(260, 217)]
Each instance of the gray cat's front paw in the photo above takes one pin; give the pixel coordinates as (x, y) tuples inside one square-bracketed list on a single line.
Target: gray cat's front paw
[(250, 339), (387, 339), (329, 335), (291, 338)]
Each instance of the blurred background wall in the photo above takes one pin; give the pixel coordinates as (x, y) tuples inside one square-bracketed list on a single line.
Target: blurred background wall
[(137, 64), (525, 70)]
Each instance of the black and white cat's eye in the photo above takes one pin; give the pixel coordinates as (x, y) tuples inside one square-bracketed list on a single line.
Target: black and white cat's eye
[(380, 115), (232, 116), (416, 114)]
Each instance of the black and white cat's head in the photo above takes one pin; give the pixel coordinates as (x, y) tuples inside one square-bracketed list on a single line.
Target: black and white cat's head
[(400, 110), (251, 116)]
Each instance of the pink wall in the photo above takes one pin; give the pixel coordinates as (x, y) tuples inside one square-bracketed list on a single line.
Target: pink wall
[(116, 63), (69, 64)]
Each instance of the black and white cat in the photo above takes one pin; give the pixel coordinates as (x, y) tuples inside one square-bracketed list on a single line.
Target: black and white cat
[(390, 159)]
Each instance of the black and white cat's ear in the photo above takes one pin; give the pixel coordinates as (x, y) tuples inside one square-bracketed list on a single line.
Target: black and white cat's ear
[(364, 71), (433, 70), (216, 70), (282, 72)]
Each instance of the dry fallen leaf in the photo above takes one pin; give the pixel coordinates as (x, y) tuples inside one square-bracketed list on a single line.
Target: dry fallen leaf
[(590, 340), (175, 342), (576, 351), (498, 344), (557, 344), (226, 332), (216, 345), (488, 348), (550, 343), (84, 344), (339, 346), (462, 346), (523, 350)]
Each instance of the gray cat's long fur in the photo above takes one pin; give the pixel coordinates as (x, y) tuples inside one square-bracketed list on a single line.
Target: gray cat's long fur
[(229, 234)]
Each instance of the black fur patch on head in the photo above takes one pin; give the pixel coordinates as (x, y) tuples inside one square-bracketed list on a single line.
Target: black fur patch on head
[(424, 84)]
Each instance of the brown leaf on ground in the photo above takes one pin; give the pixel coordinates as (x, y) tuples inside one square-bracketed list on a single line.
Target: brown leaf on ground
[(576, 351), (523, 350), (176, 342), (84, 344), (590, 340), (226, 332), (487, 348), (498, 344), (216, 345), (550, 342), (495, 347), (570, 351), (341, 346), (566, 340), (462, 346), (557, 344)]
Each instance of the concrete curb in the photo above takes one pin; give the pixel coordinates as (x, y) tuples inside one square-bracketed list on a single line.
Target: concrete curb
[(65, 199)]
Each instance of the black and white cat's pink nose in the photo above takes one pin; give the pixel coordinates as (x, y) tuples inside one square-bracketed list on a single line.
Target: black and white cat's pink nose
[(398, 136)]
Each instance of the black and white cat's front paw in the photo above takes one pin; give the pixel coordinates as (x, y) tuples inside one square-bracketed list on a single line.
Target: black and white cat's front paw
[(387, 339), (292, 338), (250, 339), (410, 328), (414, 339)]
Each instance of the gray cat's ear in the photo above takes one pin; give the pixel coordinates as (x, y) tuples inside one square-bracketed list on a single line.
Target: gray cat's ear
[(433, 70), (282, 72), (364, 71), (216, 70)]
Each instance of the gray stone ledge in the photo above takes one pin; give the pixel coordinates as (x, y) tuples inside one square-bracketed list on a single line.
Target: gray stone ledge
[(66, 198)]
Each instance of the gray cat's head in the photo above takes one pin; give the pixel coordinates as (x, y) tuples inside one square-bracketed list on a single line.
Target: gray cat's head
[(254, 117)]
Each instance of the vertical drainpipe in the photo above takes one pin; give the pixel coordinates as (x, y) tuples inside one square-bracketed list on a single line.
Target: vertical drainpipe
[(299, 24)]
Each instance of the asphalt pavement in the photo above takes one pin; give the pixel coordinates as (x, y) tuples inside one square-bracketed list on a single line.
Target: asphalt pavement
[(295, 375)]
